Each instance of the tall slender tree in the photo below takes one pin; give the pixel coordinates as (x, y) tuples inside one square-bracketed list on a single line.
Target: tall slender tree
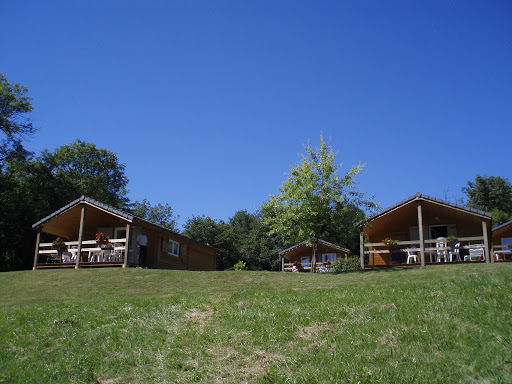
[(315, 202)]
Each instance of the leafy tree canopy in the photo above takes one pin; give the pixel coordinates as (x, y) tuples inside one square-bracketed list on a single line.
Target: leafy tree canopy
[(90, 171), (315, 202), (14, 107), (491, 194), (161, 214), (243, 238)]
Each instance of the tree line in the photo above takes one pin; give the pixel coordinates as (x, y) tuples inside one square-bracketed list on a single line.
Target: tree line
[(316, 201)]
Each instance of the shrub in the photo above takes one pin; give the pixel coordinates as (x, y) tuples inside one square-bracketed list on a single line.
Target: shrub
[(240, 266), (346, 265)]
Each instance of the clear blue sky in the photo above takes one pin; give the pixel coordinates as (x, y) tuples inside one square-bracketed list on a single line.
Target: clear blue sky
[(209, 103)]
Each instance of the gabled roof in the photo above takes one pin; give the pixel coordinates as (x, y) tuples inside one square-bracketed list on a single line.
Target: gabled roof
[(502, 226), (114, 211), (320, 241), (421, 196), (88, 200)]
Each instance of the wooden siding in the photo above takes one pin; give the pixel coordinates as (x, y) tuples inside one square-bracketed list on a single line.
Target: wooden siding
[(192, 255)]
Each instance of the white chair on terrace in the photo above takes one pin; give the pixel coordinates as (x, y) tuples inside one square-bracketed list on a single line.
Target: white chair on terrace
[(67, 257), (441, 253), (455, 252), (117, 254), (412, 256)]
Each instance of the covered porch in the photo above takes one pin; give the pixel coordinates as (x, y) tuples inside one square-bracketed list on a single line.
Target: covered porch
[(424, 230), (298, 258), (75, 230)]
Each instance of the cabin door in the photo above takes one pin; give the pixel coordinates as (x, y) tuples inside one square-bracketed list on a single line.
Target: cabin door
[(437, 231)]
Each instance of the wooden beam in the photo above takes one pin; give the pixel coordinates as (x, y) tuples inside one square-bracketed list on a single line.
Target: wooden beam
[(313, 258), (80, 237), (36, 253), (126, 246), (420, 230), (361, 248), (486, 242)]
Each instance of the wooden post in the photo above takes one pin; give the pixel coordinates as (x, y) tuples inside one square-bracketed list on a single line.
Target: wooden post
[(361, 248), (313, 258), (80, 238), (36, 253), (486, 241), (420, 231), (126, 246)]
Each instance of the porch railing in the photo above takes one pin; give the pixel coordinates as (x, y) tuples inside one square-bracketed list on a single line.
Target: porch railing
[(91, 252), (306, 267), (430, 250)]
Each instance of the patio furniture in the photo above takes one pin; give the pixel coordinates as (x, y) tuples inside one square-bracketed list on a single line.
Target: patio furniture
[(412, 255), (441, 250), (475, 254), (67, 257), (95, 254), (455, 252), (502, 253)]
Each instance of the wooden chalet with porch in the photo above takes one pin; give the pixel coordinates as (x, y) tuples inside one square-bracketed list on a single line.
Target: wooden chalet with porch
[(298, 257), (502, 242), (79, 222), (425, 230)]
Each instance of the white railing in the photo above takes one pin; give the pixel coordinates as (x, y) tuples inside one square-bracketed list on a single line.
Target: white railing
[(91, 252), (475, 242), (320, 267)]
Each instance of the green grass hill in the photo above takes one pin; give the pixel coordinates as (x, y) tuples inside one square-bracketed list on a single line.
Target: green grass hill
[(435, 324)]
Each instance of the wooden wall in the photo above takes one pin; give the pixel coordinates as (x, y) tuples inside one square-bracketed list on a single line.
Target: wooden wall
[(192, 255)]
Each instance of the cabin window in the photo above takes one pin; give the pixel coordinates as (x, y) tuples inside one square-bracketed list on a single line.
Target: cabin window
[(329, 257), (120, 233), (304, 260), (173, 248)]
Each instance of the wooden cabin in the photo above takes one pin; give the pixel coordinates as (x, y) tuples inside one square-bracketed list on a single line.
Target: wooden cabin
[(417, 225), (78, 224), (300, 255), (502, 242)]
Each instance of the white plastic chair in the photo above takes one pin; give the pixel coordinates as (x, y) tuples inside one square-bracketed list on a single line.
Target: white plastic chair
[(441, 253), (117, 253), (455, 252), (67, 257), (412, 256)]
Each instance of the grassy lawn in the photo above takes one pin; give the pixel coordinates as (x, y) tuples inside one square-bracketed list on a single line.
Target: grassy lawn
[(435, 324)]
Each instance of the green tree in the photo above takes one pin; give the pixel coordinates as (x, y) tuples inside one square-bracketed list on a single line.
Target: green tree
[(87, 170), (14, 107), (316, 203), (490, 194), (28, 192), (253, 243), (161, 214)]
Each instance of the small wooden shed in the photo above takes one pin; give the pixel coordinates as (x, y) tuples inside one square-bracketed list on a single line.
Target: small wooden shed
[(301, 253), (419, 221), (79, 222), (502, 242)]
